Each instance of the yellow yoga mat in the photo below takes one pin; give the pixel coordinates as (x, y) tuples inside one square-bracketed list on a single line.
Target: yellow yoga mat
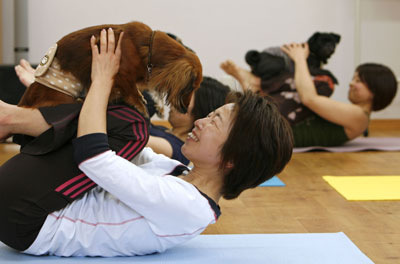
[(366, 188)]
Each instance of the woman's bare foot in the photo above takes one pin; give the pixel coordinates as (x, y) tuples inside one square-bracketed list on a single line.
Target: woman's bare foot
[(25, 72), (247, 80)]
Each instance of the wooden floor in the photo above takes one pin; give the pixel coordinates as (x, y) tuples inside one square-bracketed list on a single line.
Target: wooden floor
[(307, 204)]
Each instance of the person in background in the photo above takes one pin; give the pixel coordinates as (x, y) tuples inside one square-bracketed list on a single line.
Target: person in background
[(333, 123)]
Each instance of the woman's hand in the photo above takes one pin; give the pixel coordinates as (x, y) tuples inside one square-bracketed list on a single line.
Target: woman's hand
[(105, 63), (305, 87), (296, 51)]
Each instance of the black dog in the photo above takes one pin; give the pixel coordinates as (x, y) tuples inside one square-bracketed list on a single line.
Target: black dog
[(273, 61)]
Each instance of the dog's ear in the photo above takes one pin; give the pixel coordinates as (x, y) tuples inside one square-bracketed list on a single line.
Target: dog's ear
[(182, 90), (185, 96), (336, 37), (178, 80)]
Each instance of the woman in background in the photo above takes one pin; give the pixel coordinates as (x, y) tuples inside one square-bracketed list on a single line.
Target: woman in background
[(372, 88)]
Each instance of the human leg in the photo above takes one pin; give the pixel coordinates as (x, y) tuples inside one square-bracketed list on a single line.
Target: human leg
[(30, 184), (247, 80), (19, 120), (31, 187)]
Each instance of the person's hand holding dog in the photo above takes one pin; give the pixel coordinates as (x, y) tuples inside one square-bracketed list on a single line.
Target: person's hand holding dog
[(105, 65), (296, 51), (106, 61), (299, 52)]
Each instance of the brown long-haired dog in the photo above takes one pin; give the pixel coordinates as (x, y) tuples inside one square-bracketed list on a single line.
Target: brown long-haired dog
[(150, 59)]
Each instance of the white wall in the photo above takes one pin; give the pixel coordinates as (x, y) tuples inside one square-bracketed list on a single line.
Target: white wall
[(222, 29), (380, 41)]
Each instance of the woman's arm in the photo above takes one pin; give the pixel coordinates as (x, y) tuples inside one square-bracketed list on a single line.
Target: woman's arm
[(350, 116), (105, 64), (156, 198), (160, 145)]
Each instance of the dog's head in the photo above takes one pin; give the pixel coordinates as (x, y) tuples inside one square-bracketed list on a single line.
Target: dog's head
[(323, 45), (176, 73)]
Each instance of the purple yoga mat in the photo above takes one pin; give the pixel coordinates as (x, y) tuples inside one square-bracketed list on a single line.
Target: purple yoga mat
[(359, 144)]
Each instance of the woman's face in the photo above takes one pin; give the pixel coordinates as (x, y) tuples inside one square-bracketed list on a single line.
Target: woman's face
[(203, 144), (359, 92)]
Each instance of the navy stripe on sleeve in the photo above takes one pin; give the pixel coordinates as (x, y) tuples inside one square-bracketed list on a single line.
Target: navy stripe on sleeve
[(88, 146), (213, 204)]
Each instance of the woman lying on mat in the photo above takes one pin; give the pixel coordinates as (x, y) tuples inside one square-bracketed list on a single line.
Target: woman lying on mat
[(153, 203), (333, 123), (211, 95)]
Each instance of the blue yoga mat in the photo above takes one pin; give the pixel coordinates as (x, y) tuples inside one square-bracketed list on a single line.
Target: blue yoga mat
[(314, 248), (273, 182)]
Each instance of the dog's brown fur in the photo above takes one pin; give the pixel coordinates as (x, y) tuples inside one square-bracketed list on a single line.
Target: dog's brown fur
[(176, 72)]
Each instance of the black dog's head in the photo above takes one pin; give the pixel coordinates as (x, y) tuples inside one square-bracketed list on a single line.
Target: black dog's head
[(323, 45)]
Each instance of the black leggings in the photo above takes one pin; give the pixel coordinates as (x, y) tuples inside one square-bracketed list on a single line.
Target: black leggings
[(31, 187)]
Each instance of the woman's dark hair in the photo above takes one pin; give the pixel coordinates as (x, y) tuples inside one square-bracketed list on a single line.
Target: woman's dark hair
[(210, 96), (381, 81), (259, 145)]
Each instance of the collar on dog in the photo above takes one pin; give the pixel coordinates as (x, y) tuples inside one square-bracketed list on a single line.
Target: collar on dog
[(49, 74), (149, 64)]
